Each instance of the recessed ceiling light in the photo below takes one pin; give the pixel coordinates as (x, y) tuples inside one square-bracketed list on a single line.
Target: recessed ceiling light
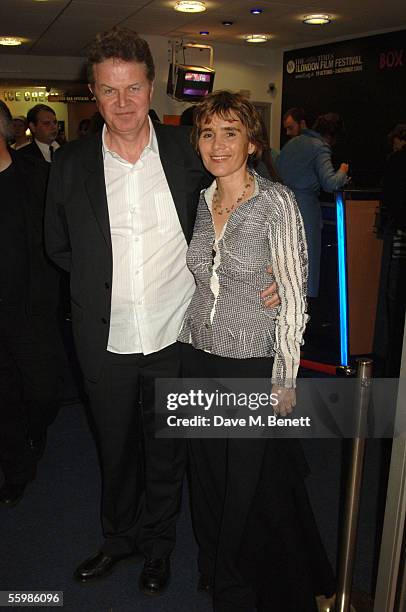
[(256, 38), (190, 6), (256, 11), (227, 23), (10, 41), (317, 19), (204, 33)]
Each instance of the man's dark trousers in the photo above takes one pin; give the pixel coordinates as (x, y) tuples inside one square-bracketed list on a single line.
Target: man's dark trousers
[(140, 502)]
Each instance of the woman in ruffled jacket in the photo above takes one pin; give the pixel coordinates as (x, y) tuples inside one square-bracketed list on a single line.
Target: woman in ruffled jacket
[(258, 543)]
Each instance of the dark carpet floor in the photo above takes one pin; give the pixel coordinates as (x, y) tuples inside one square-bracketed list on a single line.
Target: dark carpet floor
[(56, 525)]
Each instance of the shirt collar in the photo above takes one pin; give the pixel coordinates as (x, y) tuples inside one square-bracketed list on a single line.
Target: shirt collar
[(45, 147), (151, 146)]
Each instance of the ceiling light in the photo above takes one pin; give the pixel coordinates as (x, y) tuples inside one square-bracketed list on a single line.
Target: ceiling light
[(317, 19), (10, 41), (256, 38), (227, 23), (256, 11), (204, 33), (190, 6)]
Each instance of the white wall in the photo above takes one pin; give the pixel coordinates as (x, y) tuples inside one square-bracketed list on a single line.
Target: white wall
[(249, 68)]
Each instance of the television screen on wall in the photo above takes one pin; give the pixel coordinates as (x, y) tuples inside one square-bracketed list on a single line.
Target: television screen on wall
[(189, 82)]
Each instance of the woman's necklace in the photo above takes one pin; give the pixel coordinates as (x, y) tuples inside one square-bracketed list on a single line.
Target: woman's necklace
[(218, 208)]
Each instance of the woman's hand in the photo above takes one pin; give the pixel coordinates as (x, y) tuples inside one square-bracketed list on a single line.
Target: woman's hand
[(270, 295), (286, 400)]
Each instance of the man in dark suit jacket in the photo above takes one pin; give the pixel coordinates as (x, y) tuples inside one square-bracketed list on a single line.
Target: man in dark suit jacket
[(121, 208), (30, 346), (43, 124)]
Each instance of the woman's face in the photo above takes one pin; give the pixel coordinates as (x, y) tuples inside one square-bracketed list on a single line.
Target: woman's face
[(224, 145)]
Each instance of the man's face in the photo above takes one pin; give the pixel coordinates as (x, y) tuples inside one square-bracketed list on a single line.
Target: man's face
[(292, 127), (19, 128), (123, 94), (46, 128)]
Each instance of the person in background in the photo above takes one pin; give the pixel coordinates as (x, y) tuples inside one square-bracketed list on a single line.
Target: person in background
[(31, 352), (397, 138), (294, 121), (266, 163), (186, 117), (96, 123), (20, 137), (43, 125), (258, 543), (61, 137), (305, 167), (394, 182), (154, 116), (393, 269), (83, 128)]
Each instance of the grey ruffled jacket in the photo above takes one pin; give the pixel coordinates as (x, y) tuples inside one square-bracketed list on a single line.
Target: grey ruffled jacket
[(265, 230)]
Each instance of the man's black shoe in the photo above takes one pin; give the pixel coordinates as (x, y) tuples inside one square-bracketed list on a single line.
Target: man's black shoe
[(98, 566), (155, 576), (10, 494), (205, 584)]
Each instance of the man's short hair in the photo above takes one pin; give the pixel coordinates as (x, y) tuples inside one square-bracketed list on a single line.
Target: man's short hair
[(32, 115), (298, 114), (224, 104), (6, 122), (123, 44)]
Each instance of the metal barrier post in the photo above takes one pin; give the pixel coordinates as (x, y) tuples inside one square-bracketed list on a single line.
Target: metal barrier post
[(348, 541)]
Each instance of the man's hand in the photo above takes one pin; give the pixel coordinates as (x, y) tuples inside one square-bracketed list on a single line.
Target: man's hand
[(270, 295), (286, 400)]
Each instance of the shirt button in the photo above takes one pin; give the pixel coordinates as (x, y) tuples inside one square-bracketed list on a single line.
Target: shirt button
[(104, 320), (206, 325), (106, 285)]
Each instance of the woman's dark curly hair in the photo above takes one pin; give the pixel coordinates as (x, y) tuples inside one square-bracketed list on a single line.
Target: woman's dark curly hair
[(123, 44), (329, 124), (224, 104)]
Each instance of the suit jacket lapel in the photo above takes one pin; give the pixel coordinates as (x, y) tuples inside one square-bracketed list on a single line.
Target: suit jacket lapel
[(174, 168), (95, 184)]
